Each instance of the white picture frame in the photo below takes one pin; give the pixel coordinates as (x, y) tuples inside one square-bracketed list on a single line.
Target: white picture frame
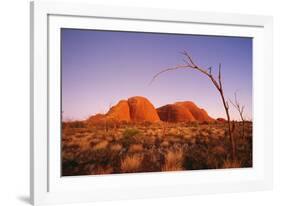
[(46, 184)]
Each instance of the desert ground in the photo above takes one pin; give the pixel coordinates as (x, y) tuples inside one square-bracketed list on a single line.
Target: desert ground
[(111, 148)]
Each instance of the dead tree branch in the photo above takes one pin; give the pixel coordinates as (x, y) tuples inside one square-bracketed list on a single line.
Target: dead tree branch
[(240, 109), (189, 63)]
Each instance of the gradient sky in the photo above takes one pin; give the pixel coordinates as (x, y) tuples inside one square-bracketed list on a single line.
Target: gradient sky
[(99, 68)]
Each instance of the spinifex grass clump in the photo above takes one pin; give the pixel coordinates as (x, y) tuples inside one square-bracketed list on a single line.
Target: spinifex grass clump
[(128, 136)]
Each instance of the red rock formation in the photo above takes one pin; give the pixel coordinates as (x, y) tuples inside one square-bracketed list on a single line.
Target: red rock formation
[(183, 112), (139, 109), (119, 112), (98, 118), (142, 110), (198, 113), (174, 113)]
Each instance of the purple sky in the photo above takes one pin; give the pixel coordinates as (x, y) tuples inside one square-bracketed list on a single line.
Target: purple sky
[(99, 68)]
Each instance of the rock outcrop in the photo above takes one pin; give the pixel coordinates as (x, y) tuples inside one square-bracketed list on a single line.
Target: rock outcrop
[(174, 113), (120, 112), (135, 109), (183, 112), (94, 119), (142, 110)]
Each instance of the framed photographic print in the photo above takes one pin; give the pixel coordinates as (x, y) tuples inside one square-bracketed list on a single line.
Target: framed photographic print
[(137, 103)]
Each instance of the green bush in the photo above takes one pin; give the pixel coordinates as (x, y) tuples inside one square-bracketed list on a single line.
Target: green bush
[(128, 136), (130, 132)]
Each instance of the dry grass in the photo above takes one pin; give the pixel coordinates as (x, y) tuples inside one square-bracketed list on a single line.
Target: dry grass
[(102, 170), (116, 147), (101, 145), (136, 148), (173, 160), (231, 164), (144, 147), (165, 144), (131, 163)]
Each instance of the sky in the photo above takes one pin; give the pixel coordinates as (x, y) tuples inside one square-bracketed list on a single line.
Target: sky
[(99, 68)]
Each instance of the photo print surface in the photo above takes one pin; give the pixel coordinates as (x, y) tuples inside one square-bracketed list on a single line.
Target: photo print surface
[(136, 102)]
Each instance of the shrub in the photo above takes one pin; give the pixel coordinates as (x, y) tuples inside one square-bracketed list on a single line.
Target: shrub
[(153, 160), (148, 141), (231, 164), (101, 145), (75, 124), (68, 167), (173, 160), (130, 132), (80, 135), (116, 147), (128, 136), (136, 148), (146, 123), (165, 144), (131, 163), (70, 148), (196, 157), (102, 170)]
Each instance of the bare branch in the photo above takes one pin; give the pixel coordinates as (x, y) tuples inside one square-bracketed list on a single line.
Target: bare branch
[(190, 64), (187, 66), (210, 70), (240, 110), (189, 58), (186, 62), (237, 105), (220, 83), (233, 104), (166, 70)]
